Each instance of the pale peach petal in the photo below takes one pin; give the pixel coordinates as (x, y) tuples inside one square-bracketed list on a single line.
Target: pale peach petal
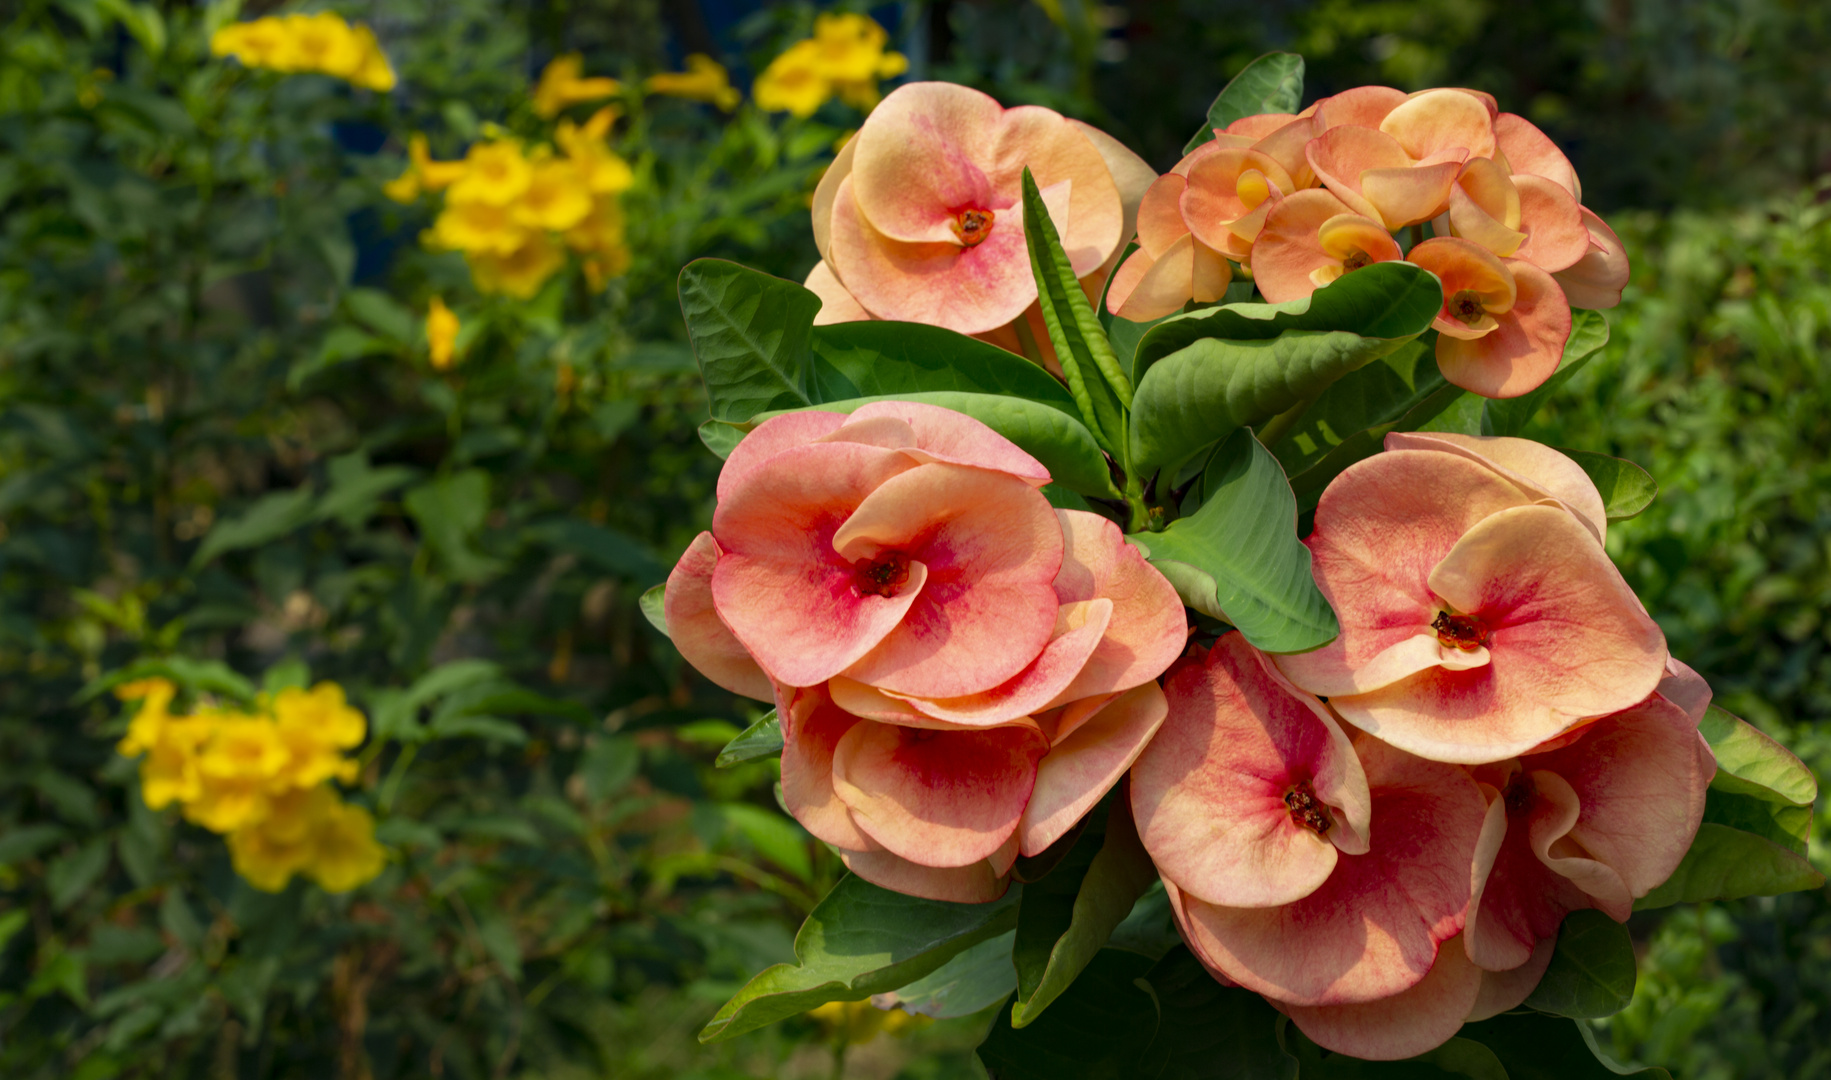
[(1410, 196), (1285, 145), (1209, 275), (776, 530), (1057, 152), (1485, 208), (826, 193), (1536, 468), (1341, 155), (1160, 216), (1438, 120), (1411, 1022), (1556, 237), (770, 438), (940, 798), (1373, 929), (837, 305), (980, 883), (1080, 769), (1148, 628), (1596, 280), (991, 547), (1524, 349), (696, 630), (1221, 190), (1258, 125), (919, 161), (949, 437), (1363, 106), (1504, 991), (1241, 738), (1145, 288), (1528, 150), (1289, 248), (807, 774), (1079, 630), (1685, 688), (1548, 834)]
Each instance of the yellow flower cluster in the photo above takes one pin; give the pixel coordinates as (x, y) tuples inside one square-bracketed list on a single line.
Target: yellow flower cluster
[(845, 58), (323, 43), (704, 80), (441, 334), (562, 84), (856, 1022), (262, 780)]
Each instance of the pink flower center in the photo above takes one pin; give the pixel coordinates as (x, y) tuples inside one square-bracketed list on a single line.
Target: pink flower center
[(1307, 810), (1464, 632), (883, 576), (1466, 306), (973, 226)]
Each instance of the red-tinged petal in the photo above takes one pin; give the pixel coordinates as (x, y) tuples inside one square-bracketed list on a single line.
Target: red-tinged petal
[(1363, 106), (701, 636), (1525, 348), (1289, 248), (1596, 280), (1381, 527), (948, 437), (991, 546), (870, 703), (1056, 152), (980, 883), (1218, 192), (1438, 120), (1340, 156), (1504, 991), (1148, 628), (1566, 639), (940, 798), (1528, 150), (1556, 237), (1080, 769), (1536, 468), (770, 438), (1078, 632), (779, 584), (825, 194), (1549, 835), (1686, 689), (1240, 737), (970, 290), (1147, 288), (1160, 216), (1410, 1022), (1285, 145), (1519, 901), (837, 304), (807, 773), (1374, 927), (1209, 274), (919, 161)]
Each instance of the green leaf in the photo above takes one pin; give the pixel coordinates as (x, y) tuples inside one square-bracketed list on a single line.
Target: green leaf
[(607, 549), (888, 359), (1271, 84), (1728, 864), (1538, 1047), (1779, 823), (357, 487), (1749, 762), (271, 517), (382, 314), (142, 20), (721, 437), (1385, 300), (206, 676), (1457, 1058), (1150, 929), (1051, 436), (750, 332), (1398, 392), (449, 511), (654, 607), (608, 764), (1208, 1031), (1102, 392), (779, 839), (1626, 488), (760, 740), (1101, 1028), (1588, 333), (861, 940), (393, 713), (69, 876), (1592, 972), (1238, 557), (1068, 915), (21, 842), (971, 982)]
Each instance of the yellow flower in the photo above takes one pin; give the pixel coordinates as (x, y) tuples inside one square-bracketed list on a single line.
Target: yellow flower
[(584, 145), (269, 852), (860, 1021), (845, 57), (374, 73), (322, 43), (495, 173), (794, 81), (155, 698), (441, 334), (556, 199), (704, 80), (315, 726), (519, 273), (561, 85), (257, 44), (434, 175), (169, 773), (235, 770), (345, 853), (477, 229), (852, 49), (404, 188)]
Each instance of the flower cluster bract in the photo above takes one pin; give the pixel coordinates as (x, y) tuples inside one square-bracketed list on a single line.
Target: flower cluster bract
[(961, 670), (1504, 740), (1303, 199), (261, 779), (846, 58), (323, 43)]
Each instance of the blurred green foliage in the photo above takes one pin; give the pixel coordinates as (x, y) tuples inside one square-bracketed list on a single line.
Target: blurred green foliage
[(222, 447)]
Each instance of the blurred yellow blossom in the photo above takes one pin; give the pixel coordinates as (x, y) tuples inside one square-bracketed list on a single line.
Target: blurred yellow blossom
[(854, 1022), (495, 173), (562, 84), (310, 832), (441, 334), (345, 853), (321, 42), (603, 172), (846, 58), (704, 80), (519, 273), (242, 758), (477, 228), (556, 198)]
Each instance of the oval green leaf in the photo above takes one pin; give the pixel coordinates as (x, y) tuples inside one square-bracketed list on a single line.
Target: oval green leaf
[(1750, 762), (760, 740), (884, 359), (1591, 973), (750, 332), (1728, 864), (1626, 488), (1271, 84), (1588, 333)]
